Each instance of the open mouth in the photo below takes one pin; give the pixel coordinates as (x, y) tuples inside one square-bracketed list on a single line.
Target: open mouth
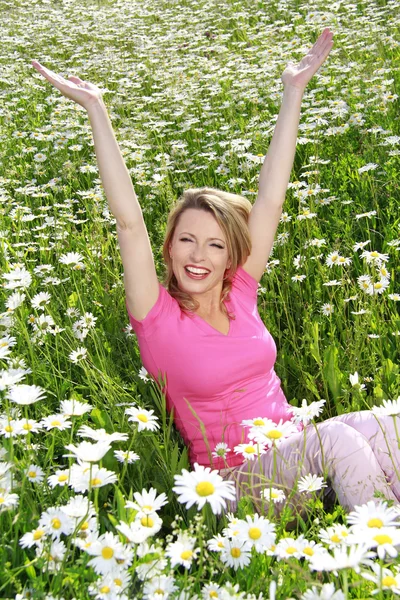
[(196, 273)]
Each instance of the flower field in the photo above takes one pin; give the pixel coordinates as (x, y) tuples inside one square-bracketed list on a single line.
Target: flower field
[(97, 496)]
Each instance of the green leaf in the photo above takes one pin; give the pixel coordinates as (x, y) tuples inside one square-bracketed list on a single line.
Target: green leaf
[(331, 371), (314, 345), (121, 510), (101, 418), (73, 299)]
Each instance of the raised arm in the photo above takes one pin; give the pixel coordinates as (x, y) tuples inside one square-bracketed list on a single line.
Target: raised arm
[(277, 166), (140, 277)]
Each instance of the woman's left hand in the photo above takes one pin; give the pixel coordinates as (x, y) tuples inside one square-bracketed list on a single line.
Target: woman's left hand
[(298, 75)]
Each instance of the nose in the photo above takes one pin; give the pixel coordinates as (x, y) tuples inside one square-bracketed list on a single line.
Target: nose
[(197, 254)]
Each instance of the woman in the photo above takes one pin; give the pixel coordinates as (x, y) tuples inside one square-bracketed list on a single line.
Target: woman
[(204, 337)]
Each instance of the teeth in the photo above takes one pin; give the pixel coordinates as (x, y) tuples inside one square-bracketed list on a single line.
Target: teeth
[(196, 271)]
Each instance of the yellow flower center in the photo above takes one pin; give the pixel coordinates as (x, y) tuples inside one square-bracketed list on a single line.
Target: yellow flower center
[(147, 521), (96, 481), (258, 422), (383, 539), (274, 434), (274, 495), (107, 552), (213, 594), (254, 533), (55, 423), (39, 533), (62, 477), (235, 552), (105, 589), (32, 474), (147, 507), (335, 538), (8, 428), (375, 522), (118, 581), (389, 581), (84, 526), (56, 523), (2, 499), (205, 488), (27, 426), (291, 550), (249, 450), (309, 551), (159, 591), (142, 418), (186, 554)]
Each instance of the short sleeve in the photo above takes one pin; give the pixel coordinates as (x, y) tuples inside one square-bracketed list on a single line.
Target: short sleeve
[(244, 284), (164, 307)]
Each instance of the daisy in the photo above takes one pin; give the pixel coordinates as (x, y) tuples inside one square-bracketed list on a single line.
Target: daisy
[(32, 538), (8, 500), (34, 473), (395, 297), (101, 435), (288, 548), (25, 394), (25, 426), (8, 428), (221, 450), (388, 407), (74, 408), (161, 586), (209, 591), (251, 450), (143, 527), (273, 495), (298, 277), (257, 422), (61, 478), (78, 355), (79, 507), (145, 418), (273, 434), (126, 456), (53, 555), (55, 522), (327, 309), (367, 167), (15, 300), (344, 557), (326, 592), (384, 579), (311, 483), (154, 563), (378, 287), (182, 552), (257, 531), (106, 552), (305, 413), (374, 257), (216, 543), (375, 515), (383, 540), (235, 553), (203, 485), (74, 259), (332, 259), (147, 502), (40, 300), (56, 421), (100, 477), (355, 383), (143, 374), (11, 376)]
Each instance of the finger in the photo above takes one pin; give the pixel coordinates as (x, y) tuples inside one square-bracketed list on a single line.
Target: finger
[(48, 74), (77, 80)]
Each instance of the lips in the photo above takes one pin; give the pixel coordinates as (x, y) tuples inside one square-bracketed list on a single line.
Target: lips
[(196, 275)]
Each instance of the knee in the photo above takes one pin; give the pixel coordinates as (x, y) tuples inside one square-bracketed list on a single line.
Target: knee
[(340, 438)]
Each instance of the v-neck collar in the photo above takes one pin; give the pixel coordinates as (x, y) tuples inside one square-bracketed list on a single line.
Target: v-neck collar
[(207, 327)]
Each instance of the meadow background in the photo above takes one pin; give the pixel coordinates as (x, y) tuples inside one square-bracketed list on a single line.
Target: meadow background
[(193, 90)]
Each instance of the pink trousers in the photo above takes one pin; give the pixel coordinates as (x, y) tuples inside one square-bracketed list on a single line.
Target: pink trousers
[(357, 453)]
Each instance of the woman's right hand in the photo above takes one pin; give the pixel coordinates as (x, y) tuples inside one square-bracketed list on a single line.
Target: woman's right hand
[(74, 88)]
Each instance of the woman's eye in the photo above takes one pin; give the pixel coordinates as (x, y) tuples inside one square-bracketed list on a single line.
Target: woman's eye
[(217, 246)]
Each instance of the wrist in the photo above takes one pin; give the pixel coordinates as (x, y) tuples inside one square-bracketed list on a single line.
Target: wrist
[(293, 91), (96, 106)]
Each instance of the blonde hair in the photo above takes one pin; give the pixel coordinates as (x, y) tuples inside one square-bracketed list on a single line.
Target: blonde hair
[(231, 211)]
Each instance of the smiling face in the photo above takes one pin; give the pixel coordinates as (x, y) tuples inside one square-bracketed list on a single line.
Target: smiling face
[(198, 244)]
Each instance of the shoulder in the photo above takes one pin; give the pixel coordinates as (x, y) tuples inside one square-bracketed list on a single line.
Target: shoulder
[(243, 283), (166, 307)]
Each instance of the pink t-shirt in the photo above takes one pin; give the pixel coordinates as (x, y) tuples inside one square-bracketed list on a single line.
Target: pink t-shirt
[(213, 381)]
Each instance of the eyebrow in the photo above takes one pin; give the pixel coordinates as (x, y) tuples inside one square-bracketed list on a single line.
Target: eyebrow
[(187, 233)]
